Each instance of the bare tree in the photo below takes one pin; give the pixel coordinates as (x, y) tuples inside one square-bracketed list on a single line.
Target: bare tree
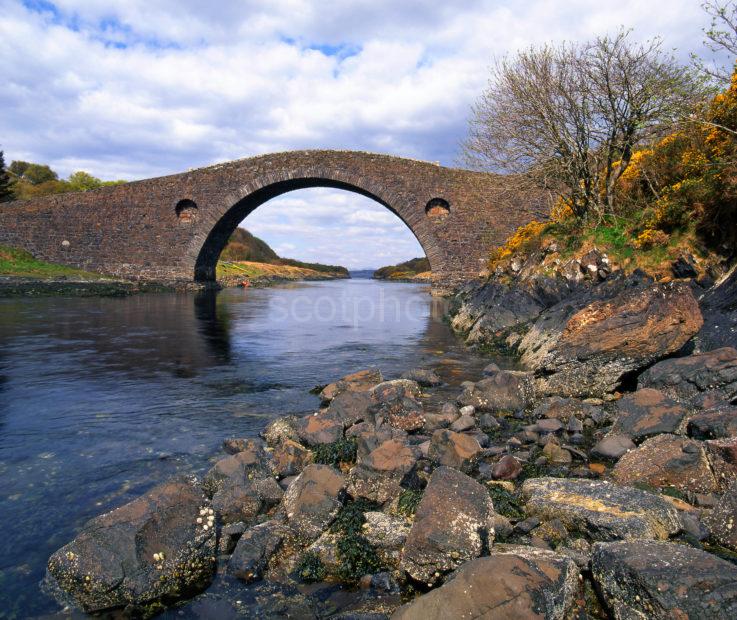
[(570, 116), (721, 39)]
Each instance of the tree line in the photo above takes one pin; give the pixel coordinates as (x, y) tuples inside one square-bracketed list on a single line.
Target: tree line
[(23, 180)]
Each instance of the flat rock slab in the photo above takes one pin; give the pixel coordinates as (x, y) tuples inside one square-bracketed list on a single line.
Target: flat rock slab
[(668, 461), (663, 581), (519, 583), (687, 377), (313, 499), (116, 560), (646, 413), (453, 524), (601, 510)]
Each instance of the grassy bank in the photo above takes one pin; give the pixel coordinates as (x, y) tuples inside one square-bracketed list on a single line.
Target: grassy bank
[(232, 273), (21, 264)]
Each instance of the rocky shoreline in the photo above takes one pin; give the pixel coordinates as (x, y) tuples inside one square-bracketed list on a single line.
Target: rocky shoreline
[(599, 482)]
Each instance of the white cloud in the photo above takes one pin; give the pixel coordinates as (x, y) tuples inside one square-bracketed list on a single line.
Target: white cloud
[(139, 88)]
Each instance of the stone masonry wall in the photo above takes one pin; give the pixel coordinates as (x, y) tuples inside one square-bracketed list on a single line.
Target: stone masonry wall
[(135, 230)]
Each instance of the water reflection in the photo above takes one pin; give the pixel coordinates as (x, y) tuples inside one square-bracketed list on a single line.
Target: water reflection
[(102, 398)]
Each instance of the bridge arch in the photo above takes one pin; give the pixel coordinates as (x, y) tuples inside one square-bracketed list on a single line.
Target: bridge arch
[(248, 198), (172, 228)]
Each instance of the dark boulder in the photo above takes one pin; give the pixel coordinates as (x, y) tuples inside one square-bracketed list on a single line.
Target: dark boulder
[(426, 378), (146, 553), (716, 424), (646, 413), (319, 428), (245, 500), (313, 500), (254, 550), (351, 408), (453, 524), (722, 519), (663, 581), (289, 458), (248, 464), (685, 378), (612, 447)]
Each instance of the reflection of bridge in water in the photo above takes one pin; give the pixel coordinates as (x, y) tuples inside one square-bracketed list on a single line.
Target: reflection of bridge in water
[(174, 228)]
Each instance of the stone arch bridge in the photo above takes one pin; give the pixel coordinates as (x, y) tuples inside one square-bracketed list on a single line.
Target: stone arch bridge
[(173, 228)]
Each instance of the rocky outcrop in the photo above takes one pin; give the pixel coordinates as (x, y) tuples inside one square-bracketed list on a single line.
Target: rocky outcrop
[(588, 351), (155, 549), (453, 524), (519, 582), (662, 581), (601, 510)]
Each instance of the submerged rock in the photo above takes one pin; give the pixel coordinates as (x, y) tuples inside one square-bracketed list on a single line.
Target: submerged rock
[(662, 581), (453, 524), (519, 582), (600, 510), (588, 351), (150, 550)]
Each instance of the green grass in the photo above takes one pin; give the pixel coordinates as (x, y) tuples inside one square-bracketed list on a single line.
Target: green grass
[(22, 264)]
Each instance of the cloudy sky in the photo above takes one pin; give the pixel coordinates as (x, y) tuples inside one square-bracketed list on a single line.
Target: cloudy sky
[(139, 88)]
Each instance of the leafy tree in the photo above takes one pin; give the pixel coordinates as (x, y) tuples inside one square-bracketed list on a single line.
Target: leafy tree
[(568, 117), (6, 189), (35, 174), (81, 181)]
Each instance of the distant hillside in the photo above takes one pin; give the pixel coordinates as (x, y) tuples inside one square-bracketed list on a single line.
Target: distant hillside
[(415, 269), (245, 247)]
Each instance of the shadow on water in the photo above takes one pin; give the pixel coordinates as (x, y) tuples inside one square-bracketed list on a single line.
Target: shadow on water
[(100, 399)]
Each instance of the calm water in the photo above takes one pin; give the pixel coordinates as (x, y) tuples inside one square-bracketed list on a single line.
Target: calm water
[(102, 398)]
